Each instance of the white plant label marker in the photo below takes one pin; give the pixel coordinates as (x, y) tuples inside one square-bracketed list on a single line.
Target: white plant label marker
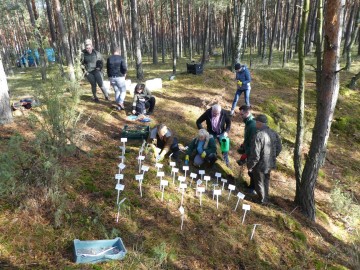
[(139, 177), (231, 188), (253, 231), (118, 213), (217, 175), (207, 179), (245, 207), (140, 159), (201, 190), (192, 176), (123, 140), (183, 186), (217, 193), (198, 183), (119, 187), (121, 166), (223, 181), (185, 168), (163, 184), (142, 148), (173, 172), (144, 169), (181, 179), (161, 175), (122, 158), (172, 164), (119, 177), (158, 166), (182, 212), (201, 172), (240, 197)]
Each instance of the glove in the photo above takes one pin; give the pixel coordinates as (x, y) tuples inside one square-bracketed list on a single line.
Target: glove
[(203, 154), (243, 157), (239, 83), (241, 149)]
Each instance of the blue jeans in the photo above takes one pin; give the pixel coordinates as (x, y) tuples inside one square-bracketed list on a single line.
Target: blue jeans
[(237, 96), (118, 83)]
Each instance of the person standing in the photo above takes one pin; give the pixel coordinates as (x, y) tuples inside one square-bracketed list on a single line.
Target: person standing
[(217, 124), (249, 134), (265, 147), (92, 64), (243, 79), (116, 70)]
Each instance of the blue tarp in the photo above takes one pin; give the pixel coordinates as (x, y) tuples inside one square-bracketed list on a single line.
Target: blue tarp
[(31, 56)]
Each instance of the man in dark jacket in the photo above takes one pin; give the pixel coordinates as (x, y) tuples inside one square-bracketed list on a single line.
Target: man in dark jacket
[(243, 79), (249, 134), (217, 124), (116, 70), (92, 64), (265, 147)]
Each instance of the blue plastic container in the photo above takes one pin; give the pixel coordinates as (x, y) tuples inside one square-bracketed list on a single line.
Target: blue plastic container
[(94, 251)]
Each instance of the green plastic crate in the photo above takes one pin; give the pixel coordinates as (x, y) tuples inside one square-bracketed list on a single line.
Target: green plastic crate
[(136, 132), (94, 251)]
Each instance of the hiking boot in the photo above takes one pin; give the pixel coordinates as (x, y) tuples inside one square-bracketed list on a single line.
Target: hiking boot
[(149, 113), (96, 100), (121, 106)]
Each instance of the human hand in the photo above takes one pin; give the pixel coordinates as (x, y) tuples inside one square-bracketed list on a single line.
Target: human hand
[(225, 134), (133, 112), (203, 154), (239, 83), (243, 157)]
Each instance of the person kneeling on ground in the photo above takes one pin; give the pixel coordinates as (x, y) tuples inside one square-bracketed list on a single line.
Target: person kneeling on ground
[(161, 137), (205, 147), (143, 100)]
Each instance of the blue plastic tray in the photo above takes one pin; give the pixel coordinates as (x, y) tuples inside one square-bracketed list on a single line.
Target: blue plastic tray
[(94, 251)]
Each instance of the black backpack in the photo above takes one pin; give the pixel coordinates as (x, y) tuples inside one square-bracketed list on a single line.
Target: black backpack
[(140, 107)]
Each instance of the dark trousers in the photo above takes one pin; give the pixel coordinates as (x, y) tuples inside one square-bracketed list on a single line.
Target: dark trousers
[(252, 184), (94, 77), (261, 182), (174, 148), (150, 104)]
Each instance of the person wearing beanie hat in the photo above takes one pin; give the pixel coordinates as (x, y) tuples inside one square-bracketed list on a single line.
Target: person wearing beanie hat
[(243, 79), (92, 64), (265, 147)]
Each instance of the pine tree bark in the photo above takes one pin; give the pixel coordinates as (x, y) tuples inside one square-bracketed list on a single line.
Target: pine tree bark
[(239, 36), (301, 101), (65, 40), (326, 102), (190, 32), (94, 25), (285, 33), (348, 47), (153, 32), (205, 55), (136, 38), (318, 42), (271, 45), (5, 109)]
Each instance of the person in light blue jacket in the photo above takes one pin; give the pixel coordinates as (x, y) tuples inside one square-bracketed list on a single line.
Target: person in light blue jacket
[(243, 79)]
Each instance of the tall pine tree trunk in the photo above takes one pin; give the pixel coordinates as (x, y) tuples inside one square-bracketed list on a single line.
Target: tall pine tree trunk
[(190, 32), (5, 109), (353, 35), (326, 102), (318, 43), (238, 41), (65, 40), (153, 31), (301, 100), (285, 33), (136, 38), (274, 32), (205, 55), (94, 24)]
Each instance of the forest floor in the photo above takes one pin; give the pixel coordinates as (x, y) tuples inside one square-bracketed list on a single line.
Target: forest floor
[(37, 235)]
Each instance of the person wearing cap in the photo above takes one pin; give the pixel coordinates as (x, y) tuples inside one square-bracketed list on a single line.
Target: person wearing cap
[(116, 70), (265, 147), (205, 147), (243, 79), (217, 124), (249, 134), (92, 64), (162, 138)]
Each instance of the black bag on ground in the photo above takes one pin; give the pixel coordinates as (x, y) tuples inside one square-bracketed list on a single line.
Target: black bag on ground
[(140, 107)]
